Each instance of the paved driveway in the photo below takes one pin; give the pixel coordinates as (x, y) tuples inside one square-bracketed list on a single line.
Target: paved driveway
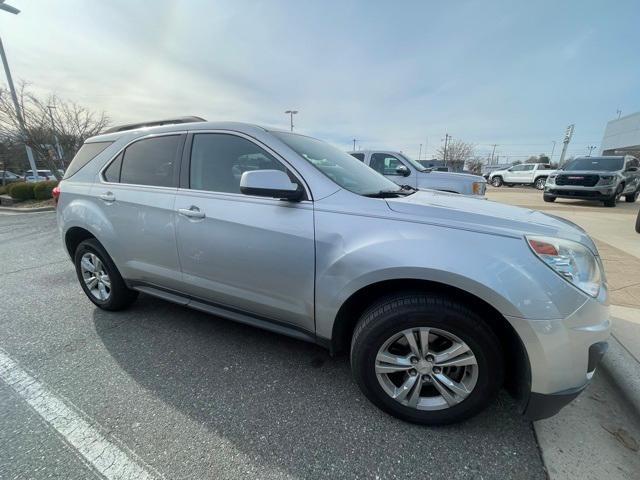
[(187, 395)]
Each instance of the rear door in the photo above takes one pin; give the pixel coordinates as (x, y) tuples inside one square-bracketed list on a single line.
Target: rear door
[(136, 193), (252, 254)]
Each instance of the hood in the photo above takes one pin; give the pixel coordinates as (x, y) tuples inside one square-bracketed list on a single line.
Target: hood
[(485, 216), (455, 176)]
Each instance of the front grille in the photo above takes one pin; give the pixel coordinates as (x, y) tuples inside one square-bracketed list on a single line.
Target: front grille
[(582, 180)]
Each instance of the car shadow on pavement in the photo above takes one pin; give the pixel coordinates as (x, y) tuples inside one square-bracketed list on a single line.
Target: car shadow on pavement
[(288, 404)]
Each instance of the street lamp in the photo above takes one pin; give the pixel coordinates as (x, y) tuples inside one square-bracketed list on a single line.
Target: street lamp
[(591, 148), (32, 163), (291, 114)]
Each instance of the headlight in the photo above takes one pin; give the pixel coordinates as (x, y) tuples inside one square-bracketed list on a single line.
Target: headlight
[(571, 260), (478, 188), (551, 179), (606, 180)]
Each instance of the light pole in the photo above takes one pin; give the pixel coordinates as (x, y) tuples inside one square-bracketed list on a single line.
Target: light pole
[(420, 153), (591, 148), (354, 144), (291, 114), (5, 63), (552, 150)]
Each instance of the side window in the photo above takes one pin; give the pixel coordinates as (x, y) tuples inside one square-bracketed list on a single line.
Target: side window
[(384, 163), (218, 161), (112, 173), (527, 168), (517, 168), (359, 156), (151, 161)]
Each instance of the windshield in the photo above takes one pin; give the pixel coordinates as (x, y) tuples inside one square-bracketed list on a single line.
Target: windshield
[(595, 163), (348, 172), (416, 165)]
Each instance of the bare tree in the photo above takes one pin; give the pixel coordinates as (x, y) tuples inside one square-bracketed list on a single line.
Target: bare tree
[(475, 164), (458, 152), (67, 122)]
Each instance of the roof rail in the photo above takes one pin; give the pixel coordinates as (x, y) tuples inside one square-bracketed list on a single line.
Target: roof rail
[(154, 123)]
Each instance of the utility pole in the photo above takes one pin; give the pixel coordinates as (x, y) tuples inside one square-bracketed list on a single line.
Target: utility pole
[(447, 137), (420, 153), (619, 112), (5, 63), (493, 152), (591, 148), (567, 138), (291, 114)]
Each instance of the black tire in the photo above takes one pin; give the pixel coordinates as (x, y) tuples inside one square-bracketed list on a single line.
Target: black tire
[(632, 197), (496, 182), (120, 297), (613, 200), (395, 313), (549, 198), (540, 183), (638, 223)]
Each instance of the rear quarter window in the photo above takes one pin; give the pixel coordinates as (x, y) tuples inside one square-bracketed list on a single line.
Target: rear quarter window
[(87, 152)]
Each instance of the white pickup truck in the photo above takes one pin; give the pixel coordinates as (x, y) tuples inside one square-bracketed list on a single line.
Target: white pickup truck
[(524, 174)]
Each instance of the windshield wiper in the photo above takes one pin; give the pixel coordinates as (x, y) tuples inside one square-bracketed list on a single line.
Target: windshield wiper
[(384, 194), (404, 190)]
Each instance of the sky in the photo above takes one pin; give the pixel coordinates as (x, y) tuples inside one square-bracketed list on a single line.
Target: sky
[(391, 74)]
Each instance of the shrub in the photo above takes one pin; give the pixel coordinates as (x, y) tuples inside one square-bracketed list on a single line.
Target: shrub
[(42, 190), (3, 190), (21, 191)]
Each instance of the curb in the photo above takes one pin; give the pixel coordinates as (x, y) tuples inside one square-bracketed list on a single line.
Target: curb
[(27, 210), (624, 370)]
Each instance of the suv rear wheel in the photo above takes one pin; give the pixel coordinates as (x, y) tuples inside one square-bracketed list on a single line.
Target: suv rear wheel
[(540, 182), (496, 181), (426, 359), (100, 278)]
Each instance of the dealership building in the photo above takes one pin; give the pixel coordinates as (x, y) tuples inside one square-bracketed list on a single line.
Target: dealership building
[(622, 136)]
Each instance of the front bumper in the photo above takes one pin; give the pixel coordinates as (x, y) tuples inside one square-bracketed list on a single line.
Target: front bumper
[(545, 405), (575, 191), (563, 354)]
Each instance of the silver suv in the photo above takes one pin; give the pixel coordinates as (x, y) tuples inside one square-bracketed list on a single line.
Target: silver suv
[(439, 299), (596, 178)]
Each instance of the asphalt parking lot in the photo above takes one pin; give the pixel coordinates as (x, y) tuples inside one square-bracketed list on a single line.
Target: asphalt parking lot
[(188, 395)]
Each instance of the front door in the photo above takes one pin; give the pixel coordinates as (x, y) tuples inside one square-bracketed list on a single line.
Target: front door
[(248, 253), (387, 165)]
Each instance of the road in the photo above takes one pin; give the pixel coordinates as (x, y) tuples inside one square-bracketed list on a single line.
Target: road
[(182, 394)]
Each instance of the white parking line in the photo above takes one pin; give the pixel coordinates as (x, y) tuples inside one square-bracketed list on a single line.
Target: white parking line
[(106, 458)]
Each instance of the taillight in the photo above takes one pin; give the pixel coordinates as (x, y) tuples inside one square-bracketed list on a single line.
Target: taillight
[(56, 194)]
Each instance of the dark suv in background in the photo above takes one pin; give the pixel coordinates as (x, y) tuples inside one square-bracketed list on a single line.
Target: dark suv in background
[(596, 178)]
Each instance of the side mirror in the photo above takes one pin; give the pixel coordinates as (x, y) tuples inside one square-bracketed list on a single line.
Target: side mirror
[(269, 183), (403, 170)]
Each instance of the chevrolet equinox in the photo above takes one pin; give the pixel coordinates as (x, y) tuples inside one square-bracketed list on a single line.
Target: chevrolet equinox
[(439, 299)]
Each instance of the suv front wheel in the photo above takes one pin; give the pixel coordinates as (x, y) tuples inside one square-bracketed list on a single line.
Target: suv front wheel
[(426, 359), (99, 277), (613, 200), (496, 181)]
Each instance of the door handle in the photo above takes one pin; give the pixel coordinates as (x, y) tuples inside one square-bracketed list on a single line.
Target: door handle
[(191, 212), (108, 197)]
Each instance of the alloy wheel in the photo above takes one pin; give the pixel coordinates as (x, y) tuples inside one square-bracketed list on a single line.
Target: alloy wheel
[(426, 368), (95, 276)]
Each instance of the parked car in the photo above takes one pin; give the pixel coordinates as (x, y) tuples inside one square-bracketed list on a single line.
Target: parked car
[(403, 170), (596, 178), (43, 175), (439, 299), (8, 177), (535, 174)]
